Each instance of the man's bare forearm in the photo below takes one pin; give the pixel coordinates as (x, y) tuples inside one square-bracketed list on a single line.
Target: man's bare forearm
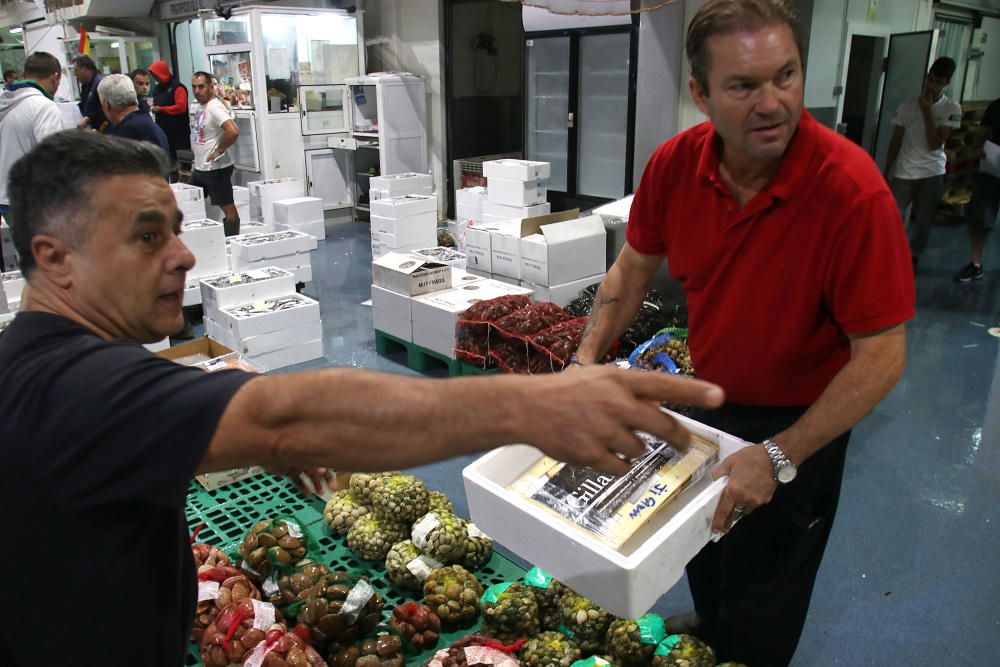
[(931, 133), (852, 394)]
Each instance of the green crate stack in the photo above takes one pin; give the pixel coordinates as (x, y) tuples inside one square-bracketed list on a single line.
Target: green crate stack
[(230, 511)]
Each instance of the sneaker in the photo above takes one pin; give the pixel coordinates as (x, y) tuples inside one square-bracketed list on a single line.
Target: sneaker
[(969, 273)]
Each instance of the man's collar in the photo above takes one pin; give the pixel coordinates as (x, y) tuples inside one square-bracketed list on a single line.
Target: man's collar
[(28, 83)]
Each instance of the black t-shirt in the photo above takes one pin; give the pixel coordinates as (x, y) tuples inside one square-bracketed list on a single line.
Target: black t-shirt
[(99, 440), (991, 119), (139, 126)]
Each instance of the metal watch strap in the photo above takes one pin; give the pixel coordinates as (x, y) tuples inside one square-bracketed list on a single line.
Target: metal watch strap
[(778, 458)]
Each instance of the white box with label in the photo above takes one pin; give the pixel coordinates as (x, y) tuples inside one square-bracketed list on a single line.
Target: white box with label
[(517, 193), (561, 294), (405, 241), (184, 192), (479, 243), (403, 184), (626, 582), (254, 346), (516, 170), (265, 316), (405, 206), (392, 324), (461, 277), (410, 275), (440, 310), (234, 288), (297, 210), (442, 342), (564, 251)]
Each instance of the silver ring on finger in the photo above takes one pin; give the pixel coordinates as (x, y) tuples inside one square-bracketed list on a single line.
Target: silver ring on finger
[(734, 516)]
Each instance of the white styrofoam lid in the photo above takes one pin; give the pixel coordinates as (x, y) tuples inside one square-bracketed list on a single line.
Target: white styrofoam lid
[(556, 232)]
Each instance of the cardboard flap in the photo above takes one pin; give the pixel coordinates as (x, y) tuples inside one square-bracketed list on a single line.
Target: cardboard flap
[(407, 264), (534, 225), (592, 225)]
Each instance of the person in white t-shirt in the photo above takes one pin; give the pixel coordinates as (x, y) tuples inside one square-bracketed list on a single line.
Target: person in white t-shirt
[(916, 162), (213, 131)]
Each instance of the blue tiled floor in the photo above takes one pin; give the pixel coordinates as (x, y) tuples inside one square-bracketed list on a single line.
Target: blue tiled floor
[(910, 576)]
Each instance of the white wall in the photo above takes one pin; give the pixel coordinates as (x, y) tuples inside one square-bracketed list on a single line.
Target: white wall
[(688, 114), (41, 36), (407, 35), (983, 77)]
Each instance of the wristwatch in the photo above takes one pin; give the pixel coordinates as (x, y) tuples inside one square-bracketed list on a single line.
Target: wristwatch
[(784, 470)]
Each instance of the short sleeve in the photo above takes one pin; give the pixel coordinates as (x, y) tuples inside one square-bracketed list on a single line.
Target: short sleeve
[(899, 118), (646, 222), (118, 423), (869, 283), (953, 116)]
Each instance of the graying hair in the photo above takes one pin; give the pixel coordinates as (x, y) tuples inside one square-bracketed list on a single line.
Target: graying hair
[(118, 91)]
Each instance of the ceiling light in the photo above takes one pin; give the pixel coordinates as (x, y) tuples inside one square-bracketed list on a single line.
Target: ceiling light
[(16, 31), (114, 45)]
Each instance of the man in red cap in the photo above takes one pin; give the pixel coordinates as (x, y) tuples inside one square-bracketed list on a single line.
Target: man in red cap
[(170, 107)]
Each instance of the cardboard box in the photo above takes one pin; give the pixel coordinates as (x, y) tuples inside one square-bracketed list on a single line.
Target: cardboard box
[(518, 193), (297, 210), (493, 211), (516, 170), (410, 275), (442, 255), (396, 185), (418, 226), (202, 346), (292, 355), (264, 193), (261, 317), (391, 303), (479, 243), (255, 247), (561, 294), (255, 346), (405, 206), (555, 253), (506, 242), (316, 228), (460, 277), (234, 288), (626, 582), (394, 325), (439, 311)]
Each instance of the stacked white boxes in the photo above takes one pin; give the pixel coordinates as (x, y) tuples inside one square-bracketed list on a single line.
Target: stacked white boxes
[(12, 283), (273, 332), (397, 185), (562, 258), (286, 249), (235, 287), (241, 198), (442, 255), (403, 223), (190, 200), (263, 194), (301, 214), (515, 189), (7, 248), (469, 203), (206, 239), (396, 279)]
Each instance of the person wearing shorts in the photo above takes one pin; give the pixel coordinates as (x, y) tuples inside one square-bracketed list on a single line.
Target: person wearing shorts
[(985, 204), (213, 132)]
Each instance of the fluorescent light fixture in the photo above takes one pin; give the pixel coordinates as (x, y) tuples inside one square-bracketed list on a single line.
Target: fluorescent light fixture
[(16, 30), (114, 45)]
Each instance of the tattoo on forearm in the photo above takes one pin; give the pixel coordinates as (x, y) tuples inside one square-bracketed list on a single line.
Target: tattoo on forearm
[(595, 311)]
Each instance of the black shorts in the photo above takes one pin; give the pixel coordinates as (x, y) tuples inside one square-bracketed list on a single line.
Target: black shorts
[(985, 205), (218, 184)]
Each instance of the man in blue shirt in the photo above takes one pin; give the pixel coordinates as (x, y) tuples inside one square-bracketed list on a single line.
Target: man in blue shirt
[(119, 103), (89, 79)]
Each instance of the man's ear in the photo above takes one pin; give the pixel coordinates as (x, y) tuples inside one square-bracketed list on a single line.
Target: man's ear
[(53, 259), (698, 95)]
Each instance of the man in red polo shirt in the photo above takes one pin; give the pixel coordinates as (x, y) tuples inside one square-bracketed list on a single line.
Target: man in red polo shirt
[(798, 278)]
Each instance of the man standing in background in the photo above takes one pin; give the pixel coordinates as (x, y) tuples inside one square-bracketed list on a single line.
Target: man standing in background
[(122, 109), (985, 204), (90, 104), (140, 79), (916, 151), (170, 108), (213, 133), (8, 77)]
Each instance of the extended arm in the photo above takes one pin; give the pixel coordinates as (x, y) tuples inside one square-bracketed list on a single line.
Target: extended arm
[(617, 302), (350, 419), (877, 362)]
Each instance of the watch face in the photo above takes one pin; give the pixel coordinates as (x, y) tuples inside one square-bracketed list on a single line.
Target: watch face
[(786, 473)]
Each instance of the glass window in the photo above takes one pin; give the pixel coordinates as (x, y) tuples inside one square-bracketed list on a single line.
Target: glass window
[(139, 54), (106, 56), (233, 78), (227, 31), (301, 49)]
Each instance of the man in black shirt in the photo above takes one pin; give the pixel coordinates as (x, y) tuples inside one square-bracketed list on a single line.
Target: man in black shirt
[(90, 105), (119, 103), (985, 204), (140, 79), (100, 437)]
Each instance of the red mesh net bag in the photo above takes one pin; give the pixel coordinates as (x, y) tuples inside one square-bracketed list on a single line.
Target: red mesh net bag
[(474, 348), (529, 320), (478, 315), (515, 356), (283, 649), (219, 587), (205, 555), (236, 632), (476, 651)]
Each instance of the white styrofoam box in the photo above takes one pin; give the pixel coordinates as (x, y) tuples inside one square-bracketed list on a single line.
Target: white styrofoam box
[(234, 288), (504, 212), (289, 356), (442, 255), (383, 244), (440, 310), (13, 286), (192, 210), (518, 193), (474, 196), (375, 194), (243, 211), (158, 345), (442, 342), (408, 240), (627, 582), (410, 275), (506, 279), (403, 184), (420, 226), (287, 262), (303, 274), (254, 346), (390, 302), (263, 194), (297, 210), (261, 317), (479, 243), (192, 292), (255, 247), (216, 331), (405, 206), (315, 228), (564, 251), (241, 195), (186, 192), (516, 170), (400, 327), (561, 294), (468, 212)]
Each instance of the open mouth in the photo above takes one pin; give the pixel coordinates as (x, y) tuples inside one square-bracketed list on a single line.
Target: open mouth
[(172, 297)]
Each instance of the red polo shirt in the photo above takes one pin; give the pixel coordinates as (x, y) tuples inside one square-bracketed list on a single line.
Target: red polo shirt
[(773, 288)]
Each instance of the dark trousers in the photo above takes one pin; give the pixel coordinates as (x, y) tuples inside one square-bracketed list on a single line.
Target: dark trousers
[(752, 588)]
